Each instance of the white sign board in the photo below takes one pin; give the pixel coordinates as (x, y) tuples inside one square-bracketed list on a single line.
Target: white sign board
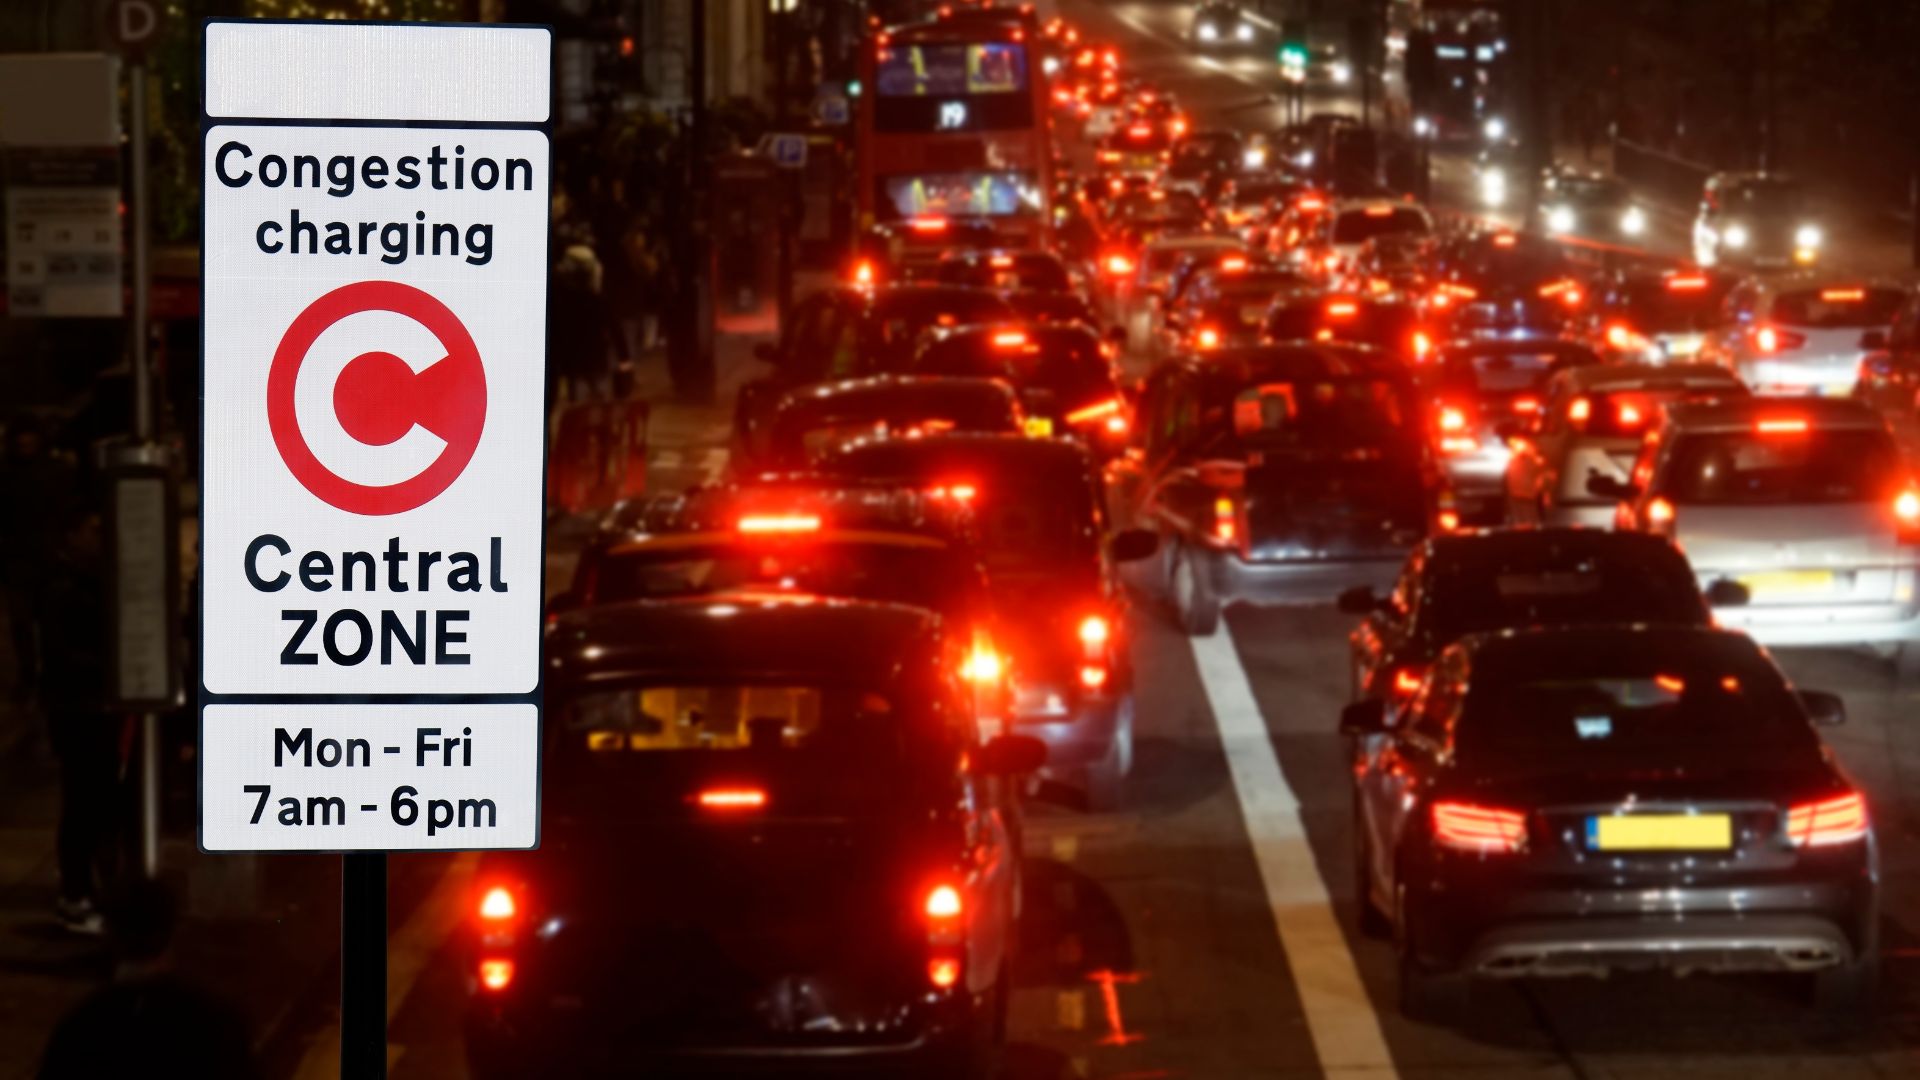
[(375, 422)]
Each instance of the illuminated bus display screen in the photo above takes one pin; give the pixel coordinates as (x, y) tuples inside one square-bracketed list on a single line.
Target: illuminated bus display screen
[(959, 194), (935, 88)]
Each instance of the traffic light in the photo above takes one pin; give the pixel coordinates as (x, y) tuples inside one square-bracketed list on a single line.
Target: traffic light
[(1293, 49)]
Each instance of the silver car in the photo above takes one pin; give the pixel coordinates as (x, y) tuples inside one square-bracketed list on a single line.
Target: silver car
[(1591, 423), (1805, 334), (1808, 504)]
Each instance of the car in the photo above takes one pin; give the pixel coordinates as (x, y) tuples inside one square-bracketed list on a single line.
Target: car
[(848, 331), (1248, 200), (1591, 206), (744, 744), (1138, 147), (1223, 307), (1486, 580), (1499, 170), (1394, 327), (1039, 525), (908, 247), (1808, 504), (811, 422), (1482, 390), (1804, 333), (1221, 26), (1004, 269), (1063, 373), (1274, 474), (1503, 284), (1039, 308), (1159, 261), (1352, 222), (1543, 784), (1321, 65), (1657, 316), (1389, 267), (1202, 162), (1591, 422), (1756, 221)]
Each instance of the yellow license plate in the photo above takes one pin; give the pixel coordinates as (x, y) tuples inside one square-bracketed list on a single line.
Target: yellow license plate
[(1039, 427), (1660, 832), (1789, 582)]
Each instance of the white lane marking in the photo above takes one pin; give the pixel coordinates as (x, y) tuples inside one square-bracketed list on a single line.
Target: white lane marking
[(408, 953), (1347, 1039)]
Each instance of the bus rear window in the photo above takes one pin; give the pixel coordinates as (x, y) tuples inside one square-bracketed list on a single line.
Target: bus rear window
[(960, 194)]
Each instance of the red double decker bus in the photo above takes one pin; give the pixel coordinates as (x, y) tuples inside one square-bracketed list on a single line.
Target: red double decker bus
[(953, 136)]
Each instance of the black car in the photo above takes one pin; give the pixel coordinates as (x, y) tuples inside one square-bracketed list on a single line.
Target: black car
[(1002, 268), (846, 332), (1590, 800), (1064, 373), (1275, 474), (1658, 316), (772, 838), (1491, 284), (1390, 325), (1224, 305), (1496, 579), (1039, 526), (812, 421), (1484, 390)]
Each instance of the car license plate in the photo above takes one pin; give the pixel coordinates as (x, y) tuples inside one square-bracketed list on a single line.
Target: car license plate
[(1039, 427), (1660, 832), (1789, 583)]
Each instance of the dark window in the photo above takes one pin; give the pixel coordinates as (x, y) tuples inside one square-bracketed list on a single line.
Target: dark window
[(1758, 468)]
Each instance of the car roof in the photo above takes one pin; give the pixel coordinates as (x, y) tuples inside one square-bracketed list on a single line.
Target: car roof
[(1535, 650), (878, 388), (1573, 540), (998, 448), (745, 636), (1741, 414), (1245, 363), (1604, 377)]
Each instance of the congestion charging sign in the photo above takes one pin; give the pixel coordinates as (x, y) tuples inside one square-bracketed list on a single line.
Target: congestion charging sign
[(375, 253)]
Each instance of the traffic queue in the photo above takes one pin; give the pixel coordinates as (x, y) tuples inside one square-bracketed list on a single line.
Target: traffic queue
[(1571, 500)]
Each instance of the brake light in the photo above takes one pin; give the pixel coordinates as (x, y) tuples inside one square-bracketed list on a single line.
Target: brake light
[(1792, 425), (1139, 131), (1099, 409), (1567, 292), (1206, 337), (1482, 829), (1843, 296), (863, 273), (1108, 157), (1178, 126), (1579, 410), (1118, 265), (1422, 345), (1840, 820), (1233, 264), (943, 971), (1448, 520), (1766, 339), (1094, 631), (1379, 211), (1660, 515), (928, 224), (1628, 414), (1342, 309), (1000, 262), (731, 799), (1311, 203), (1906, 515), (956, 492), (1686, 284), (1526, 404), (764, 524), (496, 975), (943, 903), (1093, 676), (1452, 419), (982, 665), (1225, 528), (497, 905), (1010, 339), (1621, 337), (1406, 681), (1505, 240)]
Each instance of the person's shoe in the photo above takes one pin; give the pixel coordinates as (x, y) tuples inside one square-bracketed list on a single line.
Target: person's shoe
[(80, 917)]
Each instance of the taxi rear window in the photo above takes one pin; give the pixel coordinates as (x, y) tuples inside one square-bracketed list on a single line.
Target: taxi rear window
[(1843, 308), (1761, 468), (1357, 226)]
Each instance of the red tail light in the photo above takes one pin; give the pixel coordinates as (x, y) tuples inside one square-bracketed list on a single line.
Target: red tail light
[(928, 224), (943, 904), (1623, 337), (1628, 414), (1526, 404), (496, 975), (1482, 829), (1906, 515), (1207, 337), (983, 665), (1422, 345), (1406, 681), (1118, 265), (863, 273), (1692, 283), (732, 799), (1660, 516), (1311, 203), (943, 971), (1225, 528), (497, 905), (1010, 339), (1094, 631), (1099, 410), (1453, 418), (1139, 131), (763, 524), (1448, 520), (1000, 262), (1505, 240), (1093, 676), (1772, 340), (1786, 425), (1841, 820), (1579, 410), (1342, 309), (1843, 296)]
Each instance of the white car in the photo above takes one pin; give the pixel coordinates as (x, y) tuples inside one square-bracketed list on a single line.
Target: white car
[(1352, 222), (1804, 334)]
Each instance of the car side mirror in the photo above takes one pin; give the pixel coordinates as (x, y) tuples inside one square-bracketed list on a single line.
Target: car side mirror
[(767, 353), (1132, 545), (1359, 600), (1609, 488), (1010, 755), (1726, 592), (1824, 709), (1873, 339), (1363, 718)]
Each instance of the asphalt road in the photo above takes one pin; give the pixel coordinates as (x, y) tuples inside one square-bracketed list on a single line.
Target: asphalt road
[(1207, 930)]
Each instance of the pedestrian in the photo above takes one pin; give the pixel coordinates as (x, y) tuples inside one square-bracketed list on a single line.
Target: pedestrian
[(581, 341), (71, 599), (149, 1021), (33, 478)]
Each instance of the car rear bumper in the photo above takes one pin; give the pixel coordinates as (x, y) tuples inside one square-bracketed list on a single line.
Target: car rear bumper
[(1238, 580), (1783, 925), (1823, 624), (1076, 737)]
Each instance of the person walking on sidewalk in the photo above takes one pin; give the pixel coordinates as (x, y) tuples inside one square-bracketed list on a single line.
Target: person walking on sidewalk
[(73, 614), (32, 478)]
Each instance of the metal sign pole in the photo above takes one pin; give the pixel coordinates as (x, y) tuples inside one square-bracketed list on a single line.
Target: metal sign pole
[(143, 427), (363, 965)]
